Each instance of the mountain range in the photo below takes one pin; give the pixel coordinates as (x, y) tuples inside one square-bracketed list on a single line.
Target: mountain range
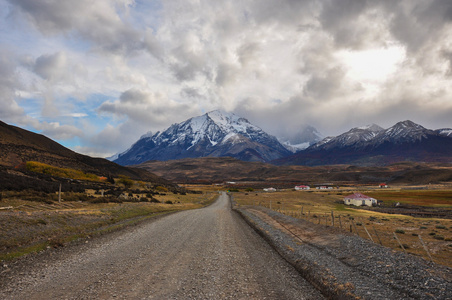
[(373, 145), (221, 134), (214, 134)]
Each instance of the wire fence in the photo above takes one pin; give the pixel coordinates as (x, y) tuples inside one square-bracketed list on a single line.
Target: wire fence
[(364, 227)]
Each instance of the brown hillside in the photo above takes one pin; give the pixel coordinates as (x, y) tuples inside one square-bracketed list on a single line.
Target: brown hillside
[(18, 146), (214, 170)]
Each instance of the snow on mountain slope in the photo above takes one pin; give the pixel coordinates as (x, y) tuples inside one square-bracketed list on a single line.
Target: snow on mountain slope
[(216, 133), (355, 137), (444, 132), (373, 145)]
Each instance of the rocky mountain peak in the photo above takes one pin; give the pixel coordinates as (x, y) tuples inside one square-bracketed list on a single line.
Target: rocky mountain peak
[(216, 133)]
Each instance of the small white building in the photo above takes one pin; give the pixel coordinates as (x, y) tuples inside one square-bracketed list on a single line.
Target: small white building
[(359, 199), (302, 187), (270, 190)]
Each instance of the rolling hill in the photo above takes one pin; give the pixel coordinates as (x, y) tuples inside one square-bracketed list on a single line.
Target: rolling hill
[(17, 146), (210, 170)]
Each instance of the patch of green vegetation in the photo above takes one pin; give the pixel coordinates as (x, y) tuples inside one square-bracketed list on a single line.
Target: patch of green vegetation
[(126, 181), (24, 251), (341, 207), (401, 231), (38, 167)]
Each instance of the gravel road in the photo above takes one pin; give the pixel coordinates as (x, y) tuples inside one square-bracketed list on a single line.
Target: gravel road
[(209, 253)]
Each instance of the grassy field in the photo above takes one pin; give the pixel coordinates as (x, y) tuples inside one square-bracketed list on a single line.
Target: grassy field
[(319, 207), (30, 226)]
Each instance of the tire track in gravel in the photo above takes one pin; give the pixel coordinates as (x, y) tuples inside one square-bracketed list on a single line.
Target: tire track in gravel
[(209, 253)]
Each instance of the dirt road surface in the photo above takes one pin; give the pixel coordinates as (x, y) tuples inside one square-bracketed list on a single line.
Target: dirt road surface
[(209, 253)]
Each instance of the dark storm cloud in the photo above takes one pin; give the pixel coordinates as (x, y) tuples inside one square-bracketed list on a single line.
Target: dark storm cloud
[(50, 66), (282, 64), (95, 21)]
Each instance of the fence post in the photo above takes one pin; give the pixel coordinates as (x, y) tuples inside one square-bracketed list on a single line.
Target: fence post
[(425, 248), (59, 194), (332, 218), (398, 241), (340, 222), (368, 233), (356, 229), (378, 237)]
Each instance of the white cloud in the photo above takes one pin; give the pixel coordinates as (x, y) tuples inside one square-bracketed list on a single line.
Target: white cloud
[(144, 65)]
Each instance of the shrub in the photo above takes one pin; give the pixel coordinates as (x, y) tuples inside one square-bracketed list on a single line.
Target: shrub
[(38, 167), (153, 200), (168, 202), (423, 227), (439, 237), (161, 188), (126, 181), (432, 233), (401, 231), (440, 226)]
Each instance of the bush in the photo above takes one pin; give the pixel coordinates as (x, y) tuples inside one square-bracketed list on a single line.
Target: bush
[(401, 231), (439, 237), (440, 226), (126, 181), (423, 227), (161, 188), (153, 200), (168, 202)]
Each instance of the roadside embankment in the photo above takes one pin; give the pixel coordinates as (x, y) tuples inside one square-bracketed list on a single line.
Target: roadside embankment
[(344, 266)]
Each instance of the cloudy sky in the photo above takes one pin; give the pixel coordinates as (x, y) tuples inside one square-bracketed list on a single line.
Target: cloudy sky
[(95, 75)]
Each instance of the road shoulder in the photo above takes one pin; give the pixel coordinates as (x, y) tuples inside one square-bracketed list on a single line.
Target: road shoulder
[(343, 266)]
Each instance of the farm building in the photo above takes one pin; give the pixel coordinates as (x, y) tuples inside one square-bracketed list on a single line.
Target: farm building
[(302, 187), (359, 199), (270, 190), (383, 185)]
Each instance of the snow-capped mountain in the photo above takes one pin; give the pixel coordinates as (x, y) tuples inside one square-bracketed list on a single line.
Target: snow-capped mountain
[(444, 132), (355, 137), (214, 134), (302, 140), (373, 145)]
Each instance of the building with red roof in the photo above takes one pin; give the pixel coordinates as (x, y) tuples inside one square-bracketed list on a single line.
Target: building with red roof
[(359, 199)]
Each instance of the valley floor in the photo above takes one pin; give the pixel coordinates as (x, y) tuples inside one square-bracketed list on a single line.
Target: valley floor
[(208, 253)]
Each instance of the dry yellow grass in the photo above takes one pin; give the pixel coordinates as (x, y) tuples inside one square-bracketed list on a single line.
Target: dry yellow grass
[(33, 226), (317, 207)]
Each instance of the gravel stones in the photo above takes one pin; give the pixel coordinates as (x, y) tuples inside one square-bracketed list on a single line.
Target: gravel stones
[(350, 266)]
